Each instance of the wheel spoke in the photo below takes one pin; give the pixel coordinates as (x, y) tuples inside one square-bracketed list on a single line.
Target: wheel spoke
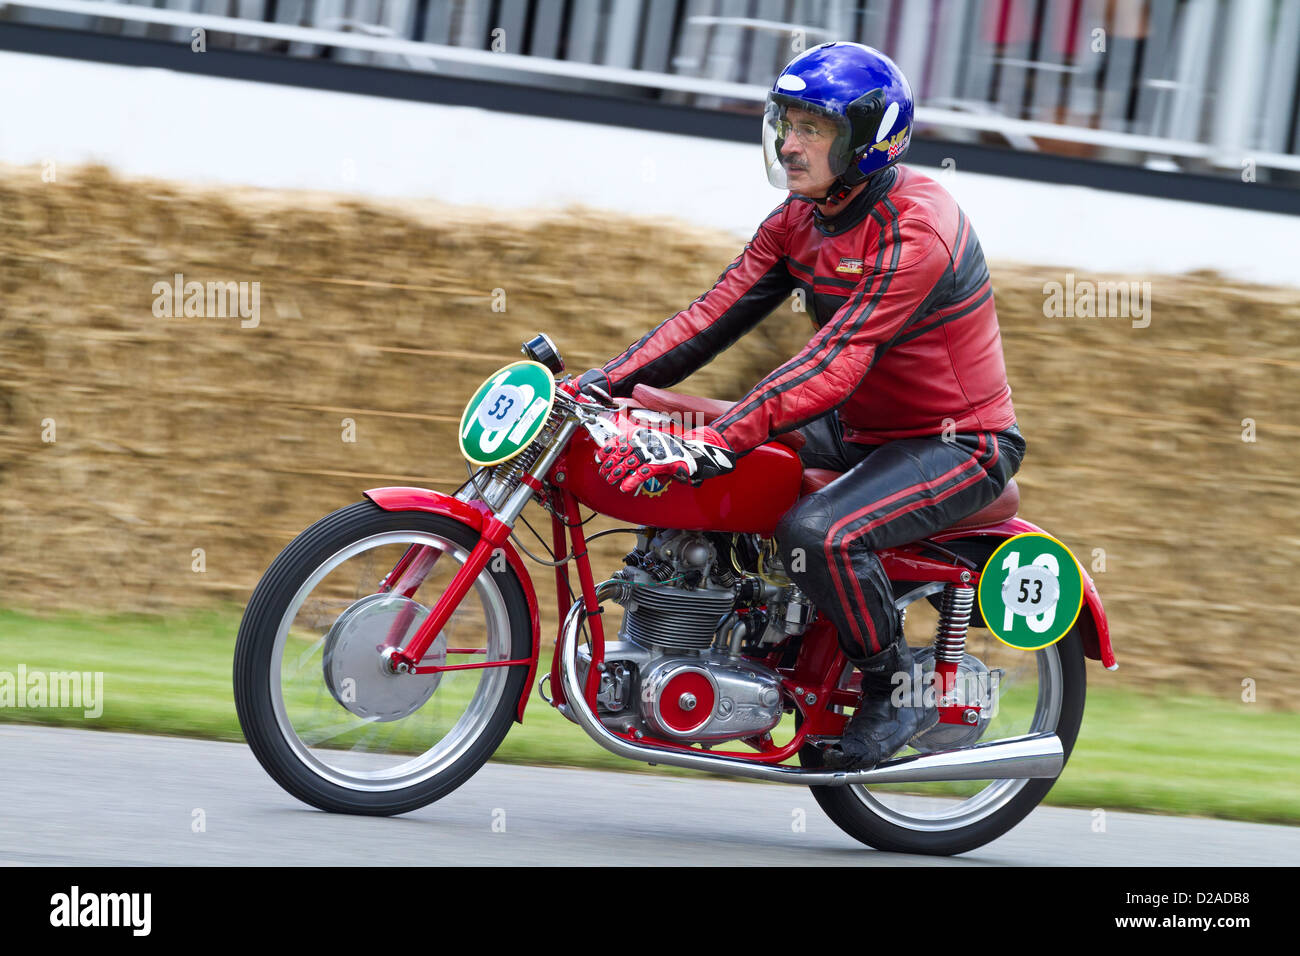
[(333, 685), (364, 741), (337, 730), (306, 656)]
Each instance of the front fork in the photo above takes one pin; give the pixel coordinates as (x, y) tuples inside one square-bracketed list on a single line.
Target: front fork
[(494, 535)]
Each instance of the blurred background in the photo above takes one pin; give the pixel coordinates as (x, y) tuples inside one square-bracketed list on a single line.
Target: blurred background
[(416, 186)]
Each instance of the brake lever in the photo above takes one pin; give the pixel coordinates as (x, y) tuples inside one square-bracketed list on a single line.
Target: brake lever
[(601, 396), (594, 395)]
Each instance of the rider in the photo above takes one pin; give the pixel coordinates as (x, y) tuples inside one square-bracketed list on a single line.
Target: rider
[(902, 387)]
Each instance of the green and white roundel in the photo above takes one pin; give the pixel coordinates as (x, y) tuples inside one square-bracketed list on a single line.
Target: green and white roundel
[(506, 413), (1031, 591)]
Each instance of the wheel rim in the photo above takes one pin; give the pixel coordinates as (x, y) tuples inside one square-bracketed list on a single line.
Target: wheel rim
[(369, 754), (948, 806)]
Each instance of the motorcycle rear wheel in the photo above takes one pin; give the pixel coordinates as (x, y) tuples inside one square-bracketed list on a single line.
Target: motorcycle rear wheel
[(883, 818), (323, 719)]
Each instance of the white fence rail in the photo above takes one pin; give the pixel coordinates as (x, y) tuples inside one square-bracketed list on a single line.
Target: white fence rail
[(1194, 84)]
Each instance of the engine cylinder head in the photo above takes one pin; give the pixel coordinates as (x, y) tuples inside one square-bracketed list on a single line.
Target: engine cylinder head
[(668, 616)]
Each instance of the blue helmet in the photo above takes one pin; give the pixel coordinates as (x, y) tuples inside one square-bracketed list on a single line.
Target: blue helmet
[(861, 91)]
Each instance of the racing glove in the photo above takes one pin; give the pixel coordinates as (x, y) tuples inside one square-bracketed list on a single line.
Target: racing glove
[(700, 453)]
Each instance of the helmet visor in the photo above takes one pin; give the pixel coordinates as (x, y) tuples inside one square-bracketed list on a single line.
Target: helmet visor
[(804, 147)]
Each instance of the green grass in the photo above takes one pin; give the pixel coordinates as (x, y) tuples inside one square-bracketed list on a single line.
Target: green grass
[(1163, 754)]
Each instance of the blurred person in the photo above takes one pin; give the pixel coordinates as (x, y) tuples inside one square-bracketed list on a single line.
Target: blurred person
[(902, 386)]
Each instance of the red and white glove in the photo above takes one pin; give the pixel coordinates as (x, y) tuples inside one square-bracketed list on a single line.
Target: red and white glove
[(650, 453)]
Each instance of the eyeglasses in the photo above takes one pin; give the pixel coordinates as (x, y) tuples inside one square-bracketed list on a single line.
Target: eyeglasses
[(805, 132)]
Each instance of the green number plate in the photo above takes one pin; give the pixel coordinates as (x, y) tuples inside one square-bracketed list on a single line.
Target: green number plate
[(1031, 591), (506, 413)]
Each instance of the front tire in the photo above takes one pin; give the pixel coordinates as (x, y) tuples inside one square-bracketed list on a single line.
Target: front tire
[(408, 743), (887, 826)]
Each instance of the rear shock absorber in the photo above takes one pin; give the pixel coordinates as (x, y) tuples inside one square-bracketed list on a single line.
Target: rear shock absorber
[(950, 635)]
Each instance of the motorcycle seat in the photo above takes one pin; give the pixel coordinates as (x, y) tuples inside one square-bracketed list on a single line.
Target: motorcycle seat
[(1005, 506), (704, 411)]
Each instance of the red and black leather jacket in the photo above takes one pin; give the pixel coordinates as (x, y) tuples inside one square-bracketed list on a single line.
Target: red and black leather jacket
[(906, 338)]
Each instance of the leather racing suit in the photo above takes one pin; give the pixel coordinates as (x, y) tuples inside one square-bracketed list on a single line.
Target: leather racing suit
[(902, 387)]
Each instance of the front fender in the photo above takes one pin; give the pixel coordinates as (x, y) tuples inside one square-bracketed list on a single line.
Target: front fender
[(1094, 631), (474, 515)]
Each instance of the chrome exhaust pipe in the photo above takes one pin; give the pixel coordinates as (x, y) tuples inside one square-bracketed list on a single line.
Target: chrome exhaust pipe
[(1033, 755)]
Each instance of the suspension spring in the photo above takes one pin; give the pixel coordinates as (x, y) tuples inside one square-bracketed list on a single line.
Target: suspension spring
[(511, 471), (954, 618)]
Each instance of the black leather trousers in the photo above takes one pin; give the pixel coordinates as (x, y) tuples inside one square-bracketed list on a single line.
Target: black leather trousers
[(889, 495)]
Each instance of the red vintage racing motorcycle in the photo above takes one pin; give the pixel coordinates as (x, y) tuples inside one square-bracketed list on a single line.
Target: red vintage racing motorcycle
[(388, 648)]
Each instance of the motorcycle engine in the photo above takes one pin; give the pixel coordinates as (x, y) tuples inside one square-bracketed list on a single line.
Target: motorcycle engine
[(676, 670)]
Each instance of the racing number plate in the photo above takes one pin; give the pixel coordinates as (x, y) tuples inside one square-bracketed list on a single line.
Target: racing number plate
[(506, 413)]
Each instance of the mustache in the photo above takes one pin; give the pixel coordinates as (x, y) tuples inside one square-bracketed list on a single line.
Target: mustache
[(793, 164)]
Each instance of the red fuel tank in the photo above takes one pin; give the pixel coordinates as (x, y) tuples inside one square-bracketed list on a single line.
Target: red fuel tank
[(749, 500)]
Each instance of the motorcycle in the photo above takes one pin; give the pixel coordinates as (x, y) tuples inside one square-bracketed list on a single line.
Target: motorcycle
[(384, 655)]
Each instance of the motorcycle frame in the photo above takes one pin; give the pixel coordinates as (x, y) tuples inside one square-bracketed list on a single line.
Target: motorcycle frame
[(812, 682)]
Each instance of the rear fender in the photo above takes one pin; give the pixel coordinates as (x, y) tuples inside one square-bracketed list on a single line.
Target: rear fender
[(1094, 631), (474, 515)]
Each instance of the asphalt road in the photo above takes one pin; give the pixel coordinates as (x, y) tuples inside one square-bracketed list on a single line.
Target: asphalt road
[(74, 797)]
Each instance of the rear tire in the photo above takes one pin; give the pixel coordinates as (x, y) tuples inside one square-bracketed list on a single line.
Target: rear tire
[(853, 808), (286, 752)]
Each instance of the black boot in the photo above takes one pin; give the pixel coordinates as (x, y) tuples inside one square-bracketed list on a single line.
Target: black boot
[(878, 730)]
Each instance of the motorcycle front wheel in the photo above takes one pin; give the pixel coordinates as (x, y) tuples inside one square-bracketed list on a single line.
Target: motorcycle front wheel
[(322, 715), (1038, 692)]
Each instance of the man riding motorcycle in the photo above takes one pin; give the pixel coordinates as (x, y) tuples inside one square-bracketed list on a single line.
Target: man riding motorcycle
[(902, 387)]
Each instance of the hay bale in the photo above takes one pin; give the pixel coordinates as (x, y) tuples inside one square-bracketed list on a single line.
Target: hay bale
[(175, 434)]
